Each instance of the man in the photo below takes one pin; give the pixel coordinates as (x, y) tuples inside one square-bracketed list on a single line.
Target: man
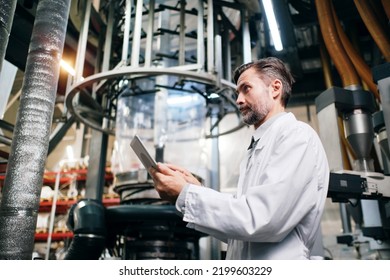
[(283, 181)]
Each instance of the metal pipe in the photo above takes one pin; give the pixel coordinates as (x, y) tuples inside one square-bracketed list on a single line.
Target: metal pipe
[(182, 33), (135, 50), (227, 55), (210, 36), (7, 11), (149, 38), (218, 55), (215, 170), (378, 34), (126, 34), (108, 42), (200, 37), (26, 165), (83, 40)]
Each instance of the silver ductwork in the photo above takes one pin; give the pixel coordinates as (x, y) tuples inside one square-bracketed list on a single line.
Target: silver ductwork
[(23, 181)]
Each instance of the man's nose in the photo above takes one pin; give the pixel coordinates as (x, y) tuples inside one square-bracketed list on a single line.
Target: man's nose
[(240, 99)]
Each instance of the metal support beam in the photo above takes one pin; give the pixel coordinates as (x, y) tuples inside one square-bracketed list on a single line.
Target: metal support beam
[(135, 50)]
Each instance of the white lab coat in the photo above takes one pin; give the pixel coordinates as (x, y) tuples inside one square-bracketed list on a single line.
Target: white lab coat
[(280, 196)]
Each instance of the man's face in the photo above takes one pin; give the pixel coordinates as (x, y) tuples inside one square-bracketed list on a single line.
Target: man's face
[(254, 98)]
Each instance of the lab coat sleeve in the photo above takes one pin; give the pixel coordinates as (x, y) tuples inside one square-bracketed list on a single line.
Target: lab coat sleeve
[(184, 200), (269, 211)]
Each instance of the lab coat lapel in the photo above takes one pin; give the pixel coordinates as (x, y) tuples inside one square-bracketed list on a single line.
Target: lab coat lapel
[(245, 166)]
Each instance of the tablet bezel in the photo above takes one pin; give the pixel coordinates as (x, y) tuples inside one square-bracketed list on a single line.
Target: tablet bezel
[(140, 150)]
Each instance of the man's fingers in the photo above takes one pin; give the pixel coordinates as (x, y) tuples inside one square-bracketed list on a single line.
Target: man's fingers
[(163, 168), (177, 168)]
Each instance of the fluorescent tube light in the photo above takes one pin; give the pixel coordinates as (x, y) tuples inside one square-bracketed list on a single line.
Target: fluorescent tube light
[(272, 24)]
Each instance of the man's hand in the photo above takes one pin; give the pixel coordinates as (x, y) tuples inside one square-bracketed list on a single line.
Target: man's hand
[(167, 182), (187, 175)]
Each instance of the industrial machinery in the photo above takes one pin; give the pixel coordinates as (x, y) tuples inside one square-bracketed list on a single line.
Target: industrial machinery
[(154, 79), (162, 70), (364, 191)]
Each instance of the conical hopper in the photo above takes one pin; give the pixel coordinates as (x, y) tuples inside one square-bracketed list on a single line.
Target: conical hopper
[(359, 133)]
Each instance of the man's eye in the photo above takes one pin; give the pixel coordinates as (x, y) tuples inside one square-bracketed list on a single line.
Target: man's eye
[(245, 89)]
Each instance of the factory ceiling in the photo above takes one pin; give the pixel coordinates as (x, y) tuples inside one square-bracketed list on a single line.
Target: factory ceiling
[(299, 27)]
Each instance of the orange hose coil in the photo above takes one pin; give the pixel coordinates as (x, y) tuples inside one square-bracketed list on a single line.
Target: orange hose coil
[(373, 26), (360, 65), (386, 8), (333, 43)]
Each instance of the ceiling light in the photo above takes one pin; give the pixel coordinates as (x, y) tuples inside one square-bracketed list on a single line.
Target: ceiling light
[(272, 24)]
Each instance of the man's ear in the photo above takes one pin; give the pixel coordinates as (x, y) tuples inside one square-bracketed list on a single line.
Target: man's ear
[(276, 88)]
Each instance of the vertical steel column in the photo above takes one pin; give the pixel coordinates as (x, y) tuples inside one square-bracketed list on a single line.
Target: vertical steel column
[(227, 55), (108, 40), (215, 171), (210, 36), (83, 40), (126, 32), (246, 39), (161, 104), (26, 165), (99, 141), (200, 37), (149, 38), (218, 55), (182, 51), (135, 50), (97, 165), (82, 46)]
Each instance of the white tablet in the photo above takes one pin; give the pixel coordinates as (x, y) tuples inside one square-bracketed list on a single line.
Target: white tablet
[(140, 150)]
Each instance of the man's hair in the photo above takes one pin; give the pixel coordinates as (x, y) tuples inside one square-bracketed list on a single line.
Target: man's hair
[(268, 69)]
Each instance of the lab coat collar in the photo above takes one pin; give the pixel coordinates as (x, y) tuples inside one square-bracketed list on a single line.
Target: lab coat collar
[(259, 132)]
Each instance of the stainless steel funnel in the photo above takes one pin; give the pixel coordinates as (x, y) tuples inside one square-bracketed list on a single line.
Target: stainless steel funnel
[(359, 132)]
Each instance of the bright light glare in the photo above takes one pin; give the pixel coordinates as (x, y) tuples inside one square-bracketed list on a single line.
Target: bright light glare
[(273, 26), (68, 68)]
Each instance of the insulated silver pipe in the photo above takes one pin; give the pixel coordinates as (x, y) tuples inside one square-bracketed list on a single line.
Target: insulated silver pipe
[(23, 181), (7, 11)]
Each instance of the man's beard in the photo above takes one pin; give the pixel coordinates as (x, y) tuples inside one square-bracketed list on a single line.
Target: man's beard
[(253, 117)]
